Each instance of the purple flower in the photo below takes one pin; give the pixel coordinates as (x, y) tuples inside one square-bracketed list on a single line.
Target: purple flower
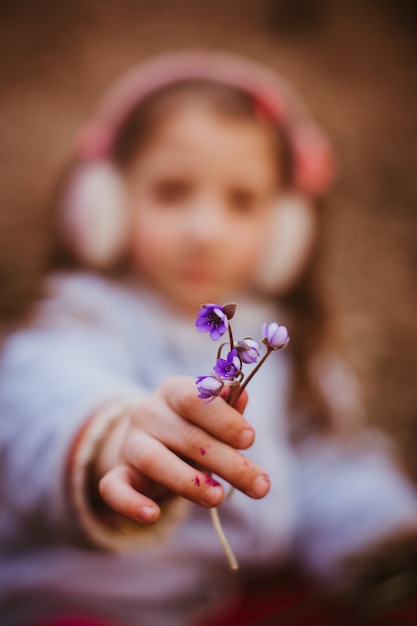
[(248, 350), (230, 367), (275, 336), (209, 386), (212, 319)]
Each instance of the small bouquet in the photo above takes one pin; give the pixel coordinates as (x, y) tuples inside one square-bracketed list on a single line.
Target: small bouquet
[(228, 372)]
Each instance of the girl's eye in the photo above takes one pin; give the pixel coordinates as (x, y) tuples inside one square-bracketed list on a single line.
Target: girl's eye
[(242, 201), (170, 191)]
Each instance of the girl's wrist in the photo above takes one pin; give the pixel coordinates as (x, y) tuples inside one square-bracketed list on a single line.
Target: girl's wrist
[(92, 451)]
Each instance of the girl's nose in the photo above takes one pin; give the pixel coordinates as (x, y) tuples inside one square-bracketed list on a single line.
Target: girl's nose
[(206, 219)]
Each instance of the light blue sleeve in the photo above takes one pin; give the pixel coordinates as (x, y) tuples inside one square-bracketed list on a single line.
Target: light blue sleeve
[(51, 378)]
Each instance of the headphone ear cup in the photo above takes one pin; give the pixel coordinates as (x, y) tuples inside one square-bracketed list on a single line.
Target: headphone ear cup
[(290, 238), (94, 215), (314, 162)]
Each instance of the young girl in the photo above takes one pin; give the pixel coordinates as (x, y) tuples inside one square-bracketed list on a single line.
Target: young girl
[(194, 183)]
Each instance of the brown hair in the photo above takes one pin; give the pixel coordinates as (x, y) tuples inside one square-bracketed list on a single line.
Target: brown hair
[(218, 98), (308, 314)]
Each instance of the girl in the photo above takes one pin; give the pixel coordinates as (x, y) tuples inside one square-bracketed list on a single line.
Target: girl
[(193, 183)]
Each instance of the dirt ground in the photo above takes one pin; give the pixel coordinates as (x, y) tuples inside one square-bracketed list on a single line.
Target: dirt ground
[(355, 64)]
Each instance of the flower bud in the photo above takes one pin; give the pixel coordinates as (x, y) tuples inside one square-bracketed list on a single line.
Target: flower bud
[(209, 386), (274, 336), (248, 350)]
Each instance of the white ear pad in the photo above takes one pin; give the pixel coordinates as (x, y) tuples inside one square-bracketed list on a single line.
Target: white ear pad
[(290, 237), (95, 216)]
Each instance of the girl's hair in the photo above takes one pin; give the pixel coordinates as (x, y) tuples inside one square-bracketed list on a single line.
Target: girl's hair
[(308, 314), (224, 100), (308, 320)]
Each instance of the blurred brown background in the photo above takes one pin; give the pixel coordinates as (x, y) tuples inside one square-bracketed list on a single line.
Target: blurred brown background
[(355, 63)]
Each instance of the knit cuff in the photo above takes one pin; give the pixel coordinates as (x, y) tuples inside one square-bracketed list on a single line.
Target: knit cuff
[(100, 530)]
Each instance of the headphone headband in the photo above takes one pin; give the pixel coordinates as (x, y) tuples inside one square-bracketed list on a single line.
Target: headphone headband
[(313, 157)]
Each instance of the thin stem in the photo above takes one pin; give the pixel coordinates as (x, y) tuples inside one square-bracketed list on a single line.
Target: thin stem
[(233, 396), (219, 351), (230, 492), (249, 378), (231, 340), (233, 389), (222, 538)]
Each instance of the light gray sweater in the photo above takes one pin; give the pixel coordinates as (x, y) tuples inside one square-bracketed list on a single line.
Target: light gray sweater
[(93, 340)]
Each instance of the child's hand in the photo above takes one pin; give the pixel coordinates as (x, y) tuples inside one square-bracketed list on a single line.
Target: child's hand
[(157, 448)]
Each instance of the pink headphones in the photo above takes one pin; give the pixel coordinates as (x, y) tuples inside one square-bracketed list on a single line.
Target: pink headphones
[(93, 213)]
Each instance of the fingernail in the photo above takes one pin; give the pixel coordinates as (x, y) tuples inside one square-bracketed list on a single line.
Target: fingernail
[(147, 514), (211, 481), (260, 486), (214, 495), (246, 438)]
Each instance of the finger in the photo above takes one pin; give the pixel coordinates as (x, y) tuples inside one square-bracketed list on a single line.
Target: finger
[(151, 458), (218, 418), (241, 402), (154, 459), (220, 459), (117, 488)]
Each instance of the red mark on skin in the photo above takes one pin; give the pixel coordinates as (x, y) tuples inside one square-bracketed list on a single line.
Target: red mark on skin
[(203, 450), (266, 478), (210, 481), (196, 481), (245, 463)]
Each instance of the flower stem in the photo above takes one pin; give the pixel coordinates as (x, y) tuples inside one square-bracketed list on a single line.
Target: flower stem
[(232, 342), (231, 396), (222, 538), (236, 397)]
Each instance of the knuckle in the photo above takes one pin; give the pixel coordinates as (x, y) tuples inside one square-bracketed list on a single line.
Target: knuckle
[(146, 459), (105, 486), (147, 410), (182, 394), (186, 404), (191, 437)]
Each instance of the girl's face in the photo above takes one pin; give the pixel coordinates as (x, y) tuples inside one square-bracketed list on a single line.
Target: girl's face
[(200, 192)]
